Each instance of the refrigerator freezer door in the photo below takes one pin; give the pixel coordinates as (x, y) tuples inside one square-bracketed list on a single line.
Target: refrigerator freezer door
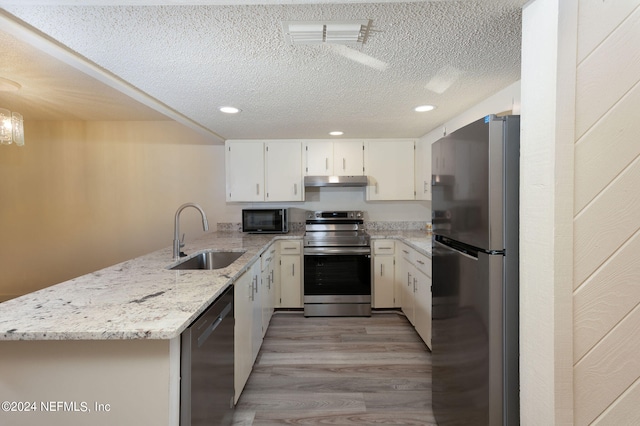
[(467, 337), (470, 182)]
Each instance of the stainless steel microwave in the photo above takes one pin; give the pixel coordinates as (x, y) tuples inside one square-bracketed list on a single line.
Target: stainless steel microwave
[(265, 221)]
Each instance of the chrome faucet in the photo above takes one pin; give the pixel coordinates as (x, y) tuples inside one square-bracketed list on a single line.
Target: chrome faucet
[(177, 244)]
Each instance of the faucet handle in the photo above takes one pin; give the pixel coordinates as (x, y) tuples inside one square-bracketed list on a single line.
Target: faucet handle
[(182, 241)]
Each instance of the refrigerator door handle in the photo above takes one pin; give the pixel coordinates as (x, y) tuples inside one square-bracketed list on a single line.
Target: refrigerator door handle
[(457, 251)]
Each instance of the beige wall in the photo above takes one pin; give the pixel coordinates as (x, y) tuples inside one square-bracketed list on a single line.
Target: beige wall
[(80, 196), (580, 269)]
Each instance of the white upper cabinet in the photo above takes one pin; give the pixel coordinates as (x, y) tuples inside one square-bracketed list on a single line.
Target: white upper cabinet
[(389, 164), (328, 158), (283, 161), (244, 162), (423, 170), (263, 171), (348, 158), (319, 158)]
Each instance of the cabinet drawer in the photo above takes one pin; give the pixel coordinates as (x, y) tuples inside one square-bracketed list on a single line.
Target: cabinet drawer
[(383, 246), (406, 252), (267, 257), (423, 263), (290, 247)]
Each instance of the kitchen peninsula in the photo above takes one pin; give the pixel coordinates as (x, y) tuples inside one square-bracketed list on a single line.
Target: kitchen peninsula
[(104, 348)]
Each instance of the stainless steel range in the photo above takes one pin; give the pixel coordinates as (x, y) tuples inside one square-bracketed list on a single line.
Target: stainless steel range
[(337, 264)]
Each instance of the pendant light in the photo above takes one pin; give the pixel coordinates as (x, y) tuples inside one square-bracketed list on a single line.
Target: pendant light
[(11, 123), (11, 127)]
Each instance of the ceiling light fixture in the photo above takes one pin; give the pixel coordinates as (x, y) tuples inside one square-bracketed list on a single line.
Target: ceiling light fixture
[(229, 110), (424, 108), (11, 128), (336, 133), (11, 123)]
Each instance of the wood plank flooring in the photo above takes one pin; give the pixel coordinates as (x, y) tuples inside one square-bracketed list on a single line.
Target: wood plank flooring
[(339, 371)]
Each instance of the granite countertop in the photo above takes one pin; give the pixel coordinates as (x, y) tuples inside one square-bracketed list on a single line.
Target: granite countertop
[(140, 298), (420, 240)]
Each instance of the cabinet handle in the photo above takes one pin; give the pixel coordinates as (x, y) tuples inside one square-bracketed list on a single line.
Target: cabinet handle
[(404, 251), (257, 189), (381, 269), (376, 187), (344, 164), (414, 285), (295, 189), (326, 163), (289, 248), (383, 248), (408, 279), (255, 284), (426, 187), (293, 269), (421, 262)]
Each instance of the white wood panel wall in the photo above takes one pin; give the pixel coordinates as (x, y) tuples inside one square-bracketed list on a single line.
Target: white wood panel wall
[(607, 214)]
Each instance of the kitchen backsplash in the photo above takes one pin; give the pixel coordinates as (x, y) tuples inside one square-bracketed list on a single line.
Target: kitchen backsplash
[(371, 226)]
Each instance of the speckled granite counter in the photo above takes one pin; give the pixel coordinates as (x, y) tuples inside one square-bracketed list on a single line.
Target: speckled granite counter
[(141, 298), (136, 299), (418, 239)]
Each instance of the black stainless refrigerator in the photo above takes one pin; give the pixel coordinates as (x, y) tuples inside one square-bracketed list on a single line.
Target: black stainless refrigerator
[(475, 180)]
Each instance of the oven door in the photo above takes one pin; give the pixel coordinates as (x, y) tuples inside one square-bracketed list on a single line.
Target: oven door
[(337, 271)]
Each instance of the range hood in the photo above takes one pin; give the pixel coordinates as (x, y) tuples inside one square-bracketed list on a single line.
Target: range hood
[(335, 181)]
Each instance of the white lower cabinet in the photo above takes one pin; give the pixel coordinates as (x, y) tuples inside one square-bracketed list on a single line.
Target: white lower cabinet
[(243, 314), (405, 281), (384, 291), (290, 274), (267, 285), (422, 297), (248, 333), (414, 278)]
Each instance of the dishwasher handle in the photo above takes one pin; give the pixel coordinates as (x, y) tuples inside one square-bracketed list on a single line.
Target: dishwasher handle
[(207, 332)]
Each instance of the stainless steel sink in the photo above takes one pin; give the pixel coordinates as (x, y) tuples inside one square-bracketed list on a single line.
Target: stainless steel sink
[(209, 259)]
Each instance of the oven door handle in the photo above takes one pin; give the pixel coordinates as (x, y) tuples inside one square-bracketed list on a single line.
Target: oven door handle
[(323, 251)]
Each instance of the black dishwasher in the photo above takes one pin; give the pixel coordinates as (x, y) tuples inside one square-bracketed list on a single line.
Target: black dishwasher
[(206, 366)]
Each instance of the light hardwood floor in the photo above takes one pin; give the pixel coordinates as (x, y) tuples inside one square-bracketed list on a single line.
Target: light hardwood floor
[(339, 371)]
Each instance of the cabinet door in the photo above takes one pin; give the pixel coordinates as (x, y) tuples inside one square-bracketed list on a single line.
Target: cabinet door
[(423, 307), (244, 163), (423, 170), (291, 274), (256, 312), (283, 171), (319, 158), (390, 167), (348, 158), (405, 278), (383, 282), (243, 310), (267, 287)]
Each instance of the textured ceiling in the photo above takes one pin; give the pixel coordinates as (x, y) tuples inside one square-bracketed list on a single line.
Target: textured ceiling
[(196, 58)]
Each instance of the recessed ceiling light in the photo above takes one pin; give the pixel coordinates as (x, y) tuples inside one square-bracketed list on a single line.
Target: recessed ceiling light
[(424, 108), (336, 133), (229, 110)]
